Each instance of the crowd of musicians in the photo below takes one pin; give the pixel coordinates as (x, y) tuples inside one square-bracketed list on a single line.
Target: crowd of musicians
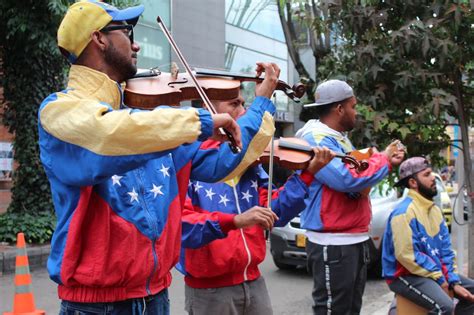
[(138, 192)]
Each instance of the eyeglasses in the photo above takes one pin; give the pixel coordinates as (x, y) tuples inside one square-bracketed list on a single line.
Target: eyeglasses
[(127, 27)]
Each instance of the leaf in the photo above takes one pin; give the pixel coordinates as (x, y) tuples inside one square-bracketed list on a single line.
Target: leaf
[(404, 131), (392, 126)]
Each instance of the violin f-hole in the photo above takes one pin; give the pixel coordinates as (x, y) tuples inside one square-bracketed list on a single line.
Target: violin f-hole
[(183, 81)]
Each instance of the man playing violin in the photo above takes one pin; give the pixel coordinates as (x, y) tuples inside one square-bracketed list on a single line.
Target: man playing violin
[(337, 214), (119, 176), (223, 233)]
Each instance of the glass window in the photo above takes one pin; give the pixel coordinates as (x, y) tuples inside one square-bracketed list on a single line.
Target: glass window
[(239, 59), (259, 16), (155, 51)]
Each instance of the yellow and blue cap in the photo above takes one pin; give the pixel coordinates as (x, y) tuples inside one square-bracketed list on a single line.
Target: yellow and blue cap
[(84, 17)]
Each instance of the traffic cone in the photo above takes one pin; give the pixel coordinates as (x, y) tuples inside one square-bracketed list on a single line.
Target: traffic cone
[(23, 302)]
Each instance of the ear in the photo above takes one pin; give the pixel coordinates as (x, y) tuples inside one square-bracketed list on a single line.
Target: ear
[(340, 109), (99, 40), (412, 183)]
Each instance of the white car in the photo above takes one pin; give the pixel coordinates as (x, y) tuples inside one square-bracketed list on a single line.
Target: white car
[(287, 244)]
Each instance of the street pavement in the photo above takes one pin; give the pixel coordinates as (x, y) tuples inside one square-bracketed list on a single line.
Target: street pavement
[(290, 292)]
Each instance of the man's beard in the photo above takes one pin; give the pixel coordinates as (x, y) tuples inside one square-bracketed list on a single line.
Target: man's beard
[(125, 68), (426, 191)]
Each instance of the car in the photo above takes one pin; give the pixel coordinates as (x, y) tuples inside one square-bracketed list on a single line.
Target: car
[(287, 244), (443, 201)]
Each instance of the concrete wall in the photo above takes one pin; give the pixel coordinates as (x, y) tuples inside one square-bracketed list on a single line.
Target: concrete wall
[(198, 28)]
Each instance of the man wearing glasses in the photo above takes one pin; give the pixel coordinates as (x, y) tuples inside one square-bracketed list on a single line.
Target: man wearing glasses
[(119, 176)]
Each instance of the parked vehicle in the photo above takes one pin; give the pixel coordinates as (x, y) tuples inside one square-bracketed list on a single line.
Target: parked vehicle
[(287, 244), (443, 201)]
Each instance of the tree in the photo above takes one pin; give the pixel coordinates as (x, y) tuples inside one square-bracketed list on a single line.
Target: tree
[(306, 23), (33, 68), (411, 64)]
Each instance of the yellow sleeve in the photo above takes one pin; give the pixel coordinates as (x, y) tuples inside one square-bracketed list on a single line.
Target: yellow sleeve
[(94, 126)]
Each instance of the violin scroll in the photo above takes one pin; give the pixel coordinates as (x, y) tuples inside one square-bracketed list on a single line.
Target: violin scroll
[(358, 166)]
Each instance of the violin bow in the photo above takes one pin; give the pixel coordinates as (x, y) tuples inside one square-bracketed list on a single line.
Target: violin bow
[(206, 100), (270, 172)]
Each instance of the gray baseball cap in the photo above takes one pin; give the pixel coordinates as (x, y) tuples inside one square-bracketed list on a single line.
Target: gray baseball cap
[(411, 167), (330, 92)]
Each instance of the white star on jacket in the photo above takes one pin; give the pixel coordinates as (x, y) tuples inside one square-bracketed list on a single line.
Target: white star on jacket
[(209, 193), (255, 184), (197, 187), (156, 190), (246, 195), (133, 195), (423, 239), (164, 170), (223, 199), (116, 180)]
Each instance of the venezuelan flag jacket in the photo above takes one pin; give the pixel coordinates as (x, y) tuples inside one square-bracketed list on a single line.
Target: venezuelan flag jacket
[(417, 242), (217, 254), (335, 204), (118, 179)]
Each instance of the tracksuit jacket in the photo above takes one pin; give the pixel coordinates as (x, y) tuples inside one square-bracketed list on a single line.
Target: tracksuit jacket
[(335, 204), (417, 242), (118, 179), (217, 254)]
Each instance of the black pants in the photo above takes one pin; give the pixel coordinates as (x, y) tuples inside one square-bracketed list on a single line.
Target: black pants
[(428, 294), (339, 275)]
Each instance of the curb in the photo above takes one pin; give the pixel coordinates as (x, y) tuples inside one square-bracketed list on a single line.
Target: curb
[(37, 257)]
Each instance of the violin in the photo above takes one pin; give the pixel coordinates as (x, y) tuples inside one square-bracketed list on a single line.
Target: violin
[(153, 88), (295, 154), (207, 103)]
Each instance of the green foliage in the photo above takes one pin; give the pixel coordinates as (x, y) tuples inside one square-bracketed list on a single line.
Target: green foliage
[(37, 227), (411, 65), (33, 69)]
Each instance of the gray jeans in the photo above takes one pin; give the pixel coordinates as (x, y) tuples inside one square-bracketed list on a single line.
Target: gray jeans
[(248, 298), (428, 294)]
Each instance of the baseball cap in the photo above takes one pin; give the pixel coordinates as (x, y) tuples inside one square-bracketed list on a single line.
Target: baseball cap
[(410, 167), (331, 91), (84, 17)]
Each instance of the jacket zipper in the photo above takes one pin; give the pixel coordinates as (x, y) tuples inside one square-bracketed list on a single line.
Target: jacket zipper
[(242, 232), (152, 223)]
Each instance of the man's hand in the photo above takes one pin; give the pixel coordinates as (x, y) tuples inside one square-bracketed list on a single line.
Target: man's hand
[(269, 83), (463, 293), (227, 122), (395, 152), (256, 215), (322, 156)]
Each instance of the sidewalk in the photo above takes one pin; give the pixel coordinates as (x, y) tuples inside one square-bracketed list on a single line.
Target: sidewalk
[(37, 257)]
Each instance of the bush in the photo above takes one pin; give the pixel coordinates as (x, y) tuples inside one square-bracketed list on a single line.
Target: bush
[(38, 228)]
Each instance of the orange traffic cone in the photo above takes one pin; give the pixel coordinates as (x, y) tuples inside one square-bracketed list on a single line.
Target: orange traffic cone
[(23, 302)]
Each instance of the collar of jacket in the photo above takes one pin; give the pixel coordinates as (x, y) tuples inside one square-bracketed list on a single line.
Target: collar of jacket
[(95, 84), (419, 200)]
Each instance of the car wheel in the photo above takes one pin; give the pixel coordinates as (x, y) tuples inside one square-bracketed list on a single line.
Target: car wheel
[(283, 266)]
